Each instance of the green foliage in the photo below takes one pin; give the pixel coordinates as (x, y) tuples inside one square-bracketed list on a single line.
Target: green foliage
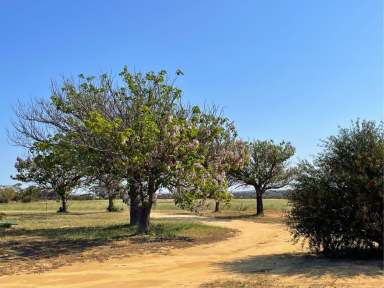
[(51, 167), (268, 165), (137, 132), (29, 194), (216, 150), (267, 168), (337, 203), (7, 194)]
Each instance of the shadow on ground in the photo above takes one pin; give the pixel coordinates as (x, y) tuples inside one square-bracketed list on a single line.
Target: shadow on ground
[(45, 243), (302, 264)]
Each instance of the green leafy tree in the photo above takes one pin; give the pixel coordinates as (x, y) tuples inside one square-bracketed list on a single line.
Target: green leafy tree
[(218, 150), (268, 168), (138, 131), (337, 202), (51, 168)]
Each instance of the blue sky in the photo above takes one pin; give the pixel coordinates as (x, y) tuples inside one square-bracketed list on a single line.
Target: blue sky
[(291, 70)]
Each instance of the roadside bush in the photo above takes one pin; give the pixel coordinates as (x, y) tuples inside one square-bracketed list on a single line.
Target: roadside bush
[(337, 203), (7, 195)]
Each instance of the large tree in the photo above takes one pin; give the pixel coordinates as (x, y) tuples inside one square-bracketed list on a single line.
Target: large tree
[(268, 168), (154, 141)]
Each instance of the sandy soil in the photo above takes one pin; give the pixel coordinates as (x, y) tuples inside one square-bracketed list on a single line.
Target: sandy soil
[(261, 252)]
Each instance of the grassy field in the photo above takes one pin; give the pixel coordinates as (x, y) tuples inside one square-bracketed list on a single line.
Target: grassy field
[(162, 205)]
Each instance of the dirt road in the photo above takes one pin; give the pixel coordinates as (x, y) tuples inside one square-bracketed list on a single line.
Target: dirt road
[(260, 252)]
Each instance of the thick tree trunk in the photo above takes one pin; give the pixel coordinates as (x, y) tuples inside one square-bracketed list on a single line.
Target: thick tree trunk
[(144, 215), (217, 206), (63, 208), (145, 207), (111, 205), (134, 210), (259, 203)]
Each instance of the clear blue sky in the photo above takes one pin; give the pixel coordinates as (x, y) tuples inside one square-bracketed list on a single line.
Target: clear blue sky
[(291, 70)]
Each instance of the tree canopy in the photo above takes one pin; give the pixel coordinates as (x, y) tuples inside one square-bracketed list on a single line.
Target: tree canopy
[(268, 168), (137, 132)]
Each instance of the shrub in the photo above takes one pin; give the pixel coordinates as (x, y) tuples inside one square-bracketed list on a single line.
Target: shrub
[(337, 203), (7, 195), (29, 194)]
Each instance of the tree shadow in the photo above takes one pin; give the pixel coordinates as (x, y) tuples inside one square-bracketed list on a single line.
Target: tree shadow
[(303, 264), (46, 243), (39, 244), (37, 249)]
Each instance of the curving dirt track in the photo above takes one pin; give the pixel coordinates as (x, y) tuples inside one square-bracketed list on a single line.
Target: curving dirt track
[(261, 252)]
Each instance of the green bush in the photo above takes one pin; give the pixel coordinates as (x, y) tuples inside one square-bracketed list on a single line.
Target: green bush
[(337, 203), (29, 194), (7, 195)]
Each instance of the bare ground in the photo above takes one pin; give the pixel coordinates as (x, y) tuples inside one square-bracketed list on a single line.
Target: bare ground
[(260, 255)]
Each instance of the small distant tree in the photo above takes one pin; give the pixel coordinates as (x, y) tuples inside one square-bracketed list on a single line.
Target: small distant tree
[(101, 174), (108, 188), (51, 168), (337, 201), (267, 169)]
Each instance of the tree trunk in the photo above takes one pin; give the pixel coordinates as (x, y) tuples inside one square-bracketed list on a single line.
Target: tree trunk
[(133, 193), (259, 203), (111, 205), (217, 206), (134, 210), (144, 215), (145, 207), (63, 208)]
